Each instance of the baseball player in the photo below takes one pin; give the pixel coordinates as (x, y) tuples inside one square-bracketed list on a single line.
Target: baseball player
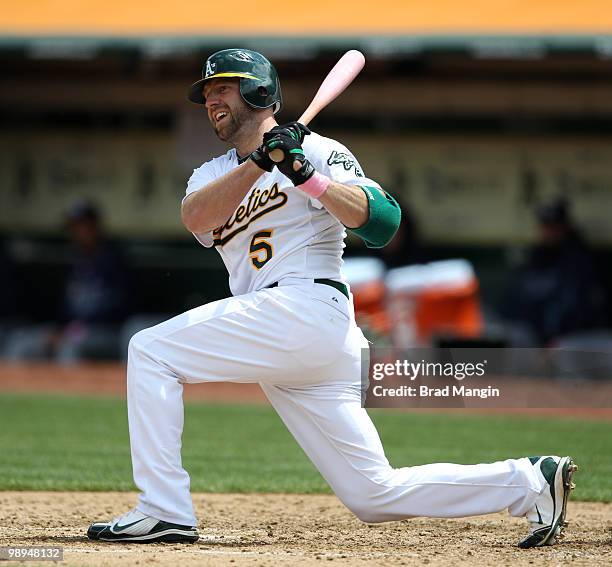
[(290, 327)]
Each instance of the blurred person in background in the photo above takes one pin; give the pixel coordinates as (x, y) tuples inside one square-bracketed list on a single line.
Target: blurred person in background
[(558, 290), (94, 302)]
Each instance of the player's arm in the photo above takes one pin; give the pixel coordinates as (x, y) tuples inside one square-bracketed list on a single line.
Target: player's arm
[(370, 212), (209, 207), (347, 203)]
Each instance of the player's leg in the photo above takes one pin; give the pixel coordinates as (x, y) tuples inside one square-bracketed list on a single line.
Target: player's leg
[(259, 336), (337, 434), (203, 344)]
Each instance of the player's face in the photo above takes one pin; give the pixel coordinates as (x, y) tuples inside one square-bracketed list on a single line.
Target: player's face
[(227, 111)]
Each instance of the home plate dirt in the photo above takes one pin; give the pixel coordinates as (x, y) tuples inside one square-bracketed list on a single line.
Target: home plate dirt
[(277, 529)]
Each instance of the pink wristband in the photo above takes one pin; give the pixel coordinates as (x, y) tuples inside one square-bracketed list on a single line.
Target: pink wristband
[(316, 185)]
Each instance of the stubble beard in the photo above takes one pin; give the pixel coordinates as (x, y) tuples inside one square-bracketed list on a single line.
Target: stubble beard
[(238, 117)]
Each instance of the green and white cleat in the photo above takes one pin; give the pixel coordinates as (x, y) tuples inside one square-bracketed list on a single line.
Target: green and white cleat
[(136, 527), (547, 517)]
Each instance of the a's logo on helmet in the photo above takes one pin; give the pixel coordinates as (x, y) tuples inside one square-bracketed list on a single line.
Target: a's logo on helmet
[(242, 56), (210, 69)]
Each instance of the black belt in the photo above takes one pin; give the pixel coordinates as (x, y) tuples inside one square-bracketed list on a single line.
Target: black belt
[(336, 285)]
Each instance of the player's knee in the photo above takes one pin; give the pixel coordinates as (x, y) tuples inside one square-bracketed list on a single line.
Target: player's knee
[(368, 514), (138, 343), (365, 510)]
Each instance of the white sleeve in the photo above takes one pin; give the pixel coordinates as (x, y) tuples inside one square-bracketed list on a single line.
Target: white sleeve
[(340, 165), (200, 177)]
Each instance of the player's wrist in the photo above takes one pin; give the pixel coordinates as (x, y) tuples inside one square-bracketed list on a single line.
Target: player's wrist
[(316, 185)]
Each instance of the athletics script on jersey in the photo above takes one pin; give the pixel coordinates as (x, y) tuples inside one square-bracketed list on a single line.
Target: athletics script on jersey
[(260, 203)]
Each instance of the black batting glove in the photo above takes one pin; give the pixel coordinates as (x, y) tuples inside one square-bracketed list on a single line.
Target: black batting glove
[(303, 174), (291, 130), (294, 130), (262, 159), (294, 158)]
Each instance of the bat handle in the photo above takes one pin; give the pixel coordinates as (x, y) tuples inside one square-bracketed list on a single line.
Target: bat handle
[(277, 155)]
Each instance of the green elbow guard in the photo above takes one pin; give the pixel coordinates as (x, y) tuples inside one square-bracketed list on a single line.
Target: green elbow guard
[(384, 218)]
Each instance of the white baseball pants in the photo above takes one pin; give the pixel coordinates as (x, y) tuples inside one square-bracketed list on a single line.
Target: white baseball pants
[(300, 342)]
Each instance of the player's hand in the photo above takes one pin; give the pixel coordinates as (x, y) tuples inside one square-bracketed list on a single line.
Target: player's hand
[(294, 130), (294, 165), (262, 159)]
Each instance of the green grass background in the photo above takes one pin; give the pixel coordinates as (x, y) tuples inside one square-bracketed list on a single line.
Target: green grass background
[(78, 443)]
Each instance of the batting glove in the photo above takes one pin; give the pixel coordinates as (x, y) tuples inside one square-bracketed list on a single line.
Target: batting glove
[(294, 157), (262, 159), (294, 130)]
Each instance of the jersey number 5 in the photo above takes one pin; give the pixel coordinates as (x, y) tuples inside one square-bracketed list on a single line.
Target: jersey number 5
[(260, 250)]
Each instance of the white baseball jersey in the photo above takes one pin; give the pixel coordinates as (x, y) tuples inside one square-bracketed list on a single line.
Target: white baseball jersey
[(279, 231)]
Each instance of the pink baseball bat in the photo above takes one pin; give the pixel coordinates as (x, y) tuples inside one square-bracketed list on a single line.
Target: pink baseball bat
[(340, 77)]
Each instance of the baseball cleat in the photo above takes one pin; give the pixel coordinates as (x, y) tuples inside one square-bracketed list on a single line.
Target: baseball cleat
[(547, 517), (137, 527)]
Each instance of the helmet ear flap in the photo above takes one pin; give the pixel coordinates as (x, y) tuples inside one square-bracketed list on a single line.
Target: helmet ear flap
[(279, 95)]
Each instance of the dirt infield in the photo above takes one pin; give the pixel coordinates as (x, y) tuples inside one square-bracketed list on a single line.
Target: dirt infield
[(262, 529)]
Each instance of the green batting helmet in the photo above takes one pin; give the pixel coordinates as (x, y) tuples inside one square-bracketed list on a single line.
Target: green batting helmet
[(259, 84)]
